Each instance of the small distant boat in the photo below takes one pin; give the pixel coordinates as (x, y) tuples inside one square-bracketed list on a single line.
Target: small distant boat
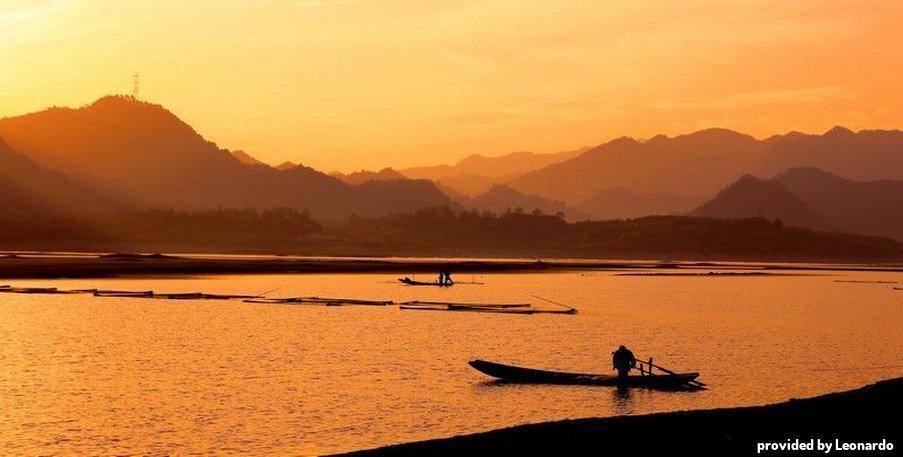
[(521, 375), (412, 282)]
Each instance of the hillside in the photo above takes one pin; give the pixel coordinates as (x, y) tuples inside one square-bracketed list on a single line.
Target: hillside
[(476, 174), (360, 177), (499, 199), (867, 155), (246, 158), (871, 207), (695, 164), (496, 168), (144, 153), (443, 232), (754, 197), (622, 203), (29, 190)]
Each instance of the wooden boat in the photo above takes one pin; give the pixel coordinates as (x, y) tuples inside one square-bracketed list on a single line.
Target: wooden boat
[(520, 375), (412, 282)]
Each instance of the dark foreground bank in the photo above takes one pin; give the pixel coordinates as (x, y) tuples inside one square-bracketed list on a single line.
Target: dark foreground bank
[(866, 415)]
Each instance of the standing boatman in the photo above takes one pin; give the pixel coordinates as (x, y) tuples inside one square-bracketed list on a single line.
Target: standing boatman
[(623, 360)]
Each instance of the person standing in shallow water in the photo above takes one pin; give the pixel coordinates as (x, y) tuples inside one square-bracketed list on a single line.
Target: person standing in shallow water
[(623, 360), (448, 279), (441, 280)]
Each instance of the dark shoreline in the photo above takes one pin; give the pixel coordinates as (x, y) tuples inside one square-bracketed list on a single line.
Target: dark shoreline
[(30, 266), (866, 414)]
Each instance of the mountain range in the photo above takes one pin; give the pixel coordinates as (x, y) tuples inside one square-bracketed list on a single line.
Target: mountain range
[(144, 154), (122, 152), (476, 174)]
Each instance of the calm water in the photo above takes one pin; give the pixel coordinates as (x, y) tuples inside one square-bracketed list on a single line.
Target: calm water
[(87, 375)]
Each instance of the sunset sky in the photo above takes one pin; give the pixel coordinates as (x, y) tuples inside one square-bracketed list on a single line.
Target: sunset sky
[(345, 84)]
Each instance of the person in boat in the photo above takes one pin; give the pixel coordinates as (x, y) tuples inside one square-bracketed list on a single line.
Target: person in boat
[(623, 360)]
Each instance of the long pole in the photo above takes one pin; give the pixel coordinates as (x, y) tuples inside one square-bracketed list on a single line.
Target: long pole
[(554, 302), (652, 365)]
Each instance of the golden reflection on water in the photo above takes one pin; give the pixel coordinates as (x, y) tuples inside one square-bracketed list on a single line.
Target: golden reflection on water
[(110, 375)]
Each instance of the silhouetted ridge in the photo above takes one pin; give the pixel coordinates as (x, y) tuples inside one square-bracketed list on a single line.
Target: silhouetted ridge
[(754, 197), (623, 203), (145, 153), (701, 163), (29, 190), (873, 207)]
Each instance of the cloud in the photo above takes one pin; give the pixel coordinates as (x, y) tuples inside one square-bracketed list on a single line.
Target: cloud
[(759, 98)]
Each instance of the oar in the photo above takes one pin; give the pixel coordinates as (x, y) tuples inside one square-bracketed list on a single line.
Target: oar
[(268, 292), (692, 382), (554, 302)]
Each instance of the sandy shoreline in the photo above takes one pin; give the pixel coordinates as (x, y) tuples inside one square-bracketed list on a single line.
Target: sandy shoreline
[(96, 266), (865, 415)]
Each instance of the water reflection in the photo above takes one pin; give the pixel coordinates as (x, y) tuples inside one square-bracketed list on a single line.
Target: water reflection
[(102, 375)]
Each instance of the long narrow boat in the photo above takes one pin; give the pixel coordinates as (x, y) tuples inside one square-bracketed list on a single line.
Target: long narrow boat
[(412, 282), (521, 375)]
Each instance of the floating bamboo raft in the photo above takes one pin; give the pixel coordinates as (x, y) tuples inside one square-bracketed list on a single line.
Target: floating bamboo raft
[(858, 281), (497, 308), (124, 293), (318, 301), (34, 290)]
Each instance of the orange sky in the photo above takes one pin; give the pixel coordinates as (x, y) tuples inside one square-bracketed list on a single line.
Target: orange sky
[(346, 84)]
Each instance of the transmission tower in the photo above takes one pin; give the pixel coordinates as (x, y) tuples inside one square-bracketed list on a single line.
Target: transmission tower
[(136, 86)]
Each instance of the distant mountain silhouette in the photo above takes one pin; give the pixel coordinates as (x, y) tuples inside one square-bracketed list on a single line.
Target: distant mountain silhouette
[(286, 165), (622, 203), (809, 197), (468, 184), (246, 158), (360, 177), (864, 156), (703, 162), (476, 174), (695, 164), (499, 199), (143, 152), (871, 208), (503, 166), (28, 190), (754, 197)]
